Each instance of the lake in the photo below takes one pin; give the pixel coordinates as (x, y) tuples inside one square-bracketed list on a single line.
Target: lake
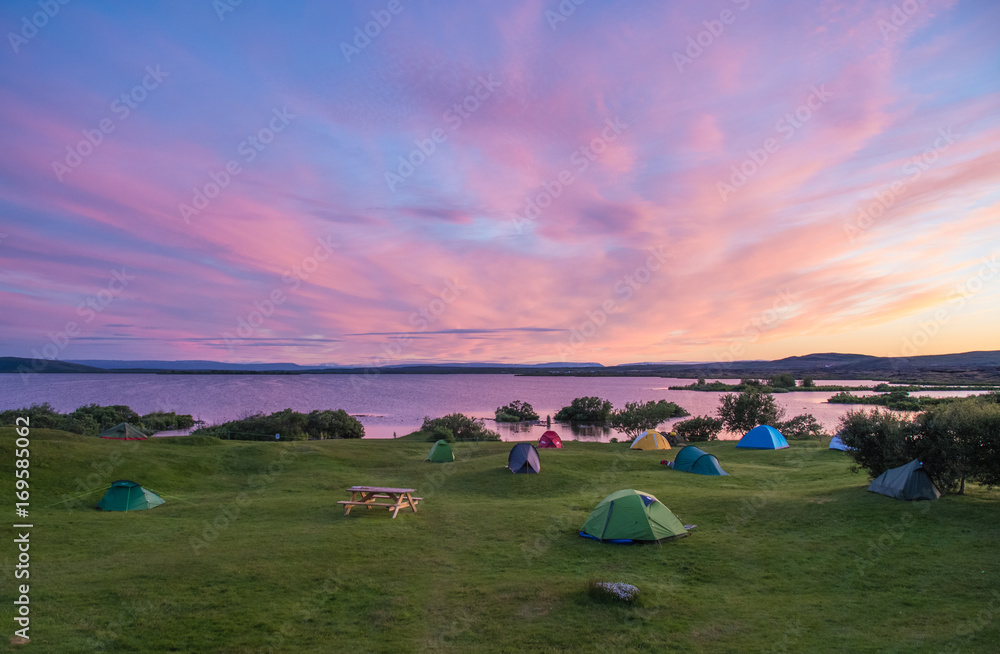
[(385, 404)]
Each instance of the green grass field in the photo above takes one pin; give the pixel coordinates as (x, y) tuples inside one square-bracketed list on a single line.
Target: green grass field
[(251, 553)]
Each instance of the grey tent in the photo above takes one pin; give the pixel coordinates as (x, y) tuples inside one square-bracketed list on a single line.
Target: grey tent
[(123, 432), (909, 482), (523, 458)]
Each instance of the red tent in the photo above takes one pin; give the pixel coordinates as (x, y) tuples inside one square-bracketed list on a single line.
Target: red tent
[(550, 439)]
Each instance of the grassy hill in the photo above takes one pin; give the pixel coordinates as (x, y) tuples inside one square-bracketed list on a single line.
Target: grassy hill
[(251, 553)]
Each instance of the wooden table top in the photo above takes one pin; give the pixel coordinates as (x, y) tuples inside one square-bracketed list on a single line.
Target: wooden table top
[(381, 489)]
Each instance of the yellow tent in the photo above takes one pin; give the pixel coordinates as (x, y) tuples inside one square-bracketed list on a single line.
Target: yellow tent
[(651, 440)]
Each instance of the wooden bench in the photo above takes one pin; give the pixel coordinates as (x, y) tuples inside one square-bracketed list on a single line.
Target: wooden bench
[(400, 498)]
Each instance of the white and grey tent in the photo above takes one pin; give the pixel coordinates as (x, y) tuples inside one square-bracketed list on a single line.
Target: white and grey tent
[(909, 482)]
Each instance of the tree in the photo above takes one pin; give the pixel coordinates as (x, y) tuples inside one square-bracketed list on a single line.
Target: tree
[(784, 380), (960, 441), (741, 413), (585, 409), (636, 418), (333, 424), (699, 428), (807, 382), (801, 427), (462, 426), (878, 440), (516, 411)]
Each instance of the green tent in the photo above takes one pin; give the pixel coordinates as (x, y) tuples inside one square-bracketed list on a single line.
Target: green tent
[(125, 495), (632, 516), (441, 452), (698, 461)]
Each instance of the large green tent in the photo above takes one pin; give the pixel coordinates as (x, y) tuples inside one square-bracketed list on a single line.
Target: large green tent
[(125, 495), (698, 461), (632, 516), (441, 452)]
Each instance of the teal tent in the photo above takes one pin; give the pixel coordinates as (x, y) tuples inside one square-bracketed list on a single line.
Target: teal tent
[(763, 437), (700, 462), (125, 495)]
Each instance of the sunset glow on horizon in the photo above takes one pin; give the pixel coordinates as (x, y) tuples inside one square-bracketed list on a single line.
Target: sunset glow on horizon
[(534, 181)]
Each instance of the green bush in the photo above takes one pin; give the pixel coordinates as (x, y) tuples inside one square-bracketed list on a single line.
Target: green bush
[(783, 380), (440, 432), (516, 411), (463, 427), (162, 421), (92, 419), (801, 427), (292, 425), (585, 409), (699, 428)]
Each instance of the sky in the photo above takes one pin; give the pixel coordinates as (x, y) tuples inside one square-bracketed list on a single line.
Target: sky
[(376, 183)]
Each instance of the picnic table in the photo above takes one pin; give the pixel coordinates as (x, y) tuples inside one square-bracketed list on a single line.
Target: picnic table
[(368, 496)]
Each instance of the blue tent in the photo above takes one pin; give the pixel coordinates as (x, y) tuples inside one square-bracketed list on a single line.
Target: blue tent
[(837, 444), (763, 437)]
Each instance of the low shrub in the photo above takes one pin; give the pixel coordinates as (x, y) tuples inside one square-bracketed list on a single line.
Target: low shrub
[(699, 428), (462, 427), (516, 411)]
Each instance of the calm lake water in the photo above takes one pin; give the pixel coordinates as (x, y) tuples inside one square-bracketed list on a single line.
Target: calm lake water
[(385, 404)]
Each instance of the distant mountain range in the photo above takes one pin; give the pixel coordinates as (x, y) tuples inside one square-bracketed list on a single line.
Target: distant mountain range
[(964, 367)]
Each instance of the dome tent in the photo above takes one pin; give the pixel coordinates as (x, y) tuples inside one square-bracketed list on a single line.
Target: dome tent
[(441, 452), (693, 459), (125, 495), (650, 440), (550, 439), (632, 516), (909, 482), (523, 459), (123, 431), (837, 444), (763, 437)]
